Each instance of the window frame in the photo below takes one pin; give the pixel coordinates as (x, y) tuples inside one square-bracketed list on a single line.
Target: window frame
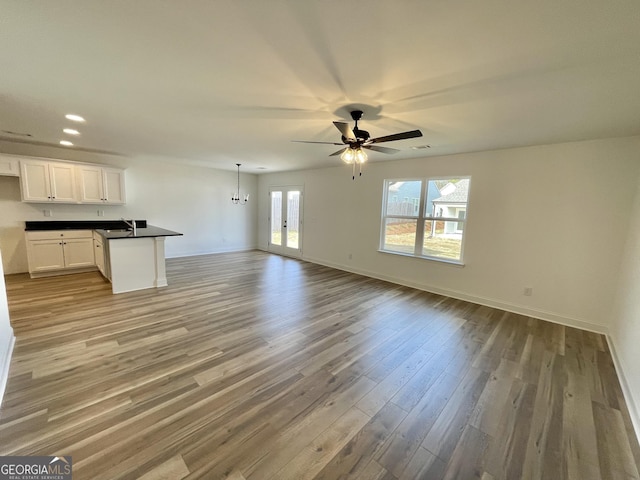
[(421, 218)]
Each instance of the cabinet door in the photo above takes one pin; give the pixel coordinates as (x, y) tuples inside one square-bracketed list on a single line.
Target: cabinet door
[(45, 255), (114, 185), (63, 185), (90, 184), (98, 253), (9, 166), (34, 180), (78, 252)]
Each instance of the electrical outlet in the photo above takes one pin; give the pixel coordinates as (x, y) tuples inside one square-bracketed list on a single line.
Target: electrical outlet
[(350, 256), (528, 291), (47, 212), (101, 213)]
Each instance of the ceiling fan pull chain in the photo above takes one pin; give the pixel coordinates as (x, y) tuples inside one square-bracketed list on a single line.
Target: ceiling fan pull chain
[(360, 168), (354, 172)]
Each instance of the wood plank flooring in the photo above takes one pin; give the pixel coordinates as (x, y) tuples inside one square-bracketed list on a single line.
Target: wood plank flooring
[(251, 366)]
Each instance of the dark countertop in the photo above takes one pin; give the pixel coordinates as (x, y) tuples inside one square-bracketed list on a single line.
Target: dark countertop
[(102, 226), (149, 231), (79, 225)]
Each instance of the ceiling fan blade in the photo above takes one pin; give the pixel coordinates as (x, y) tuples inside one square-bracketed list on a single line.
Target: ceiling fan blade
[(346, 131), (397, 136), (376, 148), (324, 143), (339, 152)]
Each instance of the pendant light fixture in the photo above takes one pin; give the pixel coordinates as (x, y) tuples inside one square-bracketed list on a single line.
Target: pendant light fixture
[(235, 197), (353, 156)]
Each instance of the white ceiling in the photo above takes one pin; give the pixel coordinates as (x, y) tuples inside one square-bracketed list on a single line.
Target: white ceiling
[(219, 82)]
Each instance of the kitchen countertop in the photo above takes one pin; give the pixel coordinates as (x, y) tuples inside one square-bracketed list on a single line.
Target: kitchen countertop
[(149, 231), (79, 225)]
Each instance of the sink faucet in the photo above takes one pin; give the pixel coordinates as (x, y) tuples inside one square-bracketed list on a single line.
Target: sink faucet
[(131, 224)]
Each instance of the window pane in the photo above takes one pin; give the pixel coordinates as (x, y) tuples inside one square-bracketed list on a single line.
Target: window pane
[(293, 219), (276, 218), (447, 197), (442, 239), (400, 235), (403, 198)]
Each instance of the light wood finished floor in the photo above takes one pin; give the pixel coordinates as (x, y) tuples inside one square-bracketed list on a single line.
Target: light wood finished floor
[(254, 366)]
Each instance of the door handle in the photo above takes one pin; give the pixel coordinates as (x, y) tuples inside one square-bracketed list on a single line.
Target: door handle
[(285, 224)]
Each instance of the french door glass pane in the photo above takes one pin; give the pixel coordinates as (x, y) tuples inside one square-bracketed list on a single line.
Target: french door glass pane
[(276, 218), (442, 239), (400, 235), (293, 219)]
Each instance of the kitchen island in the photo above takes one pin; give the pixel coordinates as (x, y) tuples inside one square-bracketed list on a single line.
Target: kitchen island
[(134, 261), (130, 258)]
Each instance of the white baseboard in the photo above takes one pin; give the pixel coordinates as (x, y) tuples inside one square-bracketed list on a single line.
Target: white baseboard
[(632, 405), (213, 252), (5, 361)]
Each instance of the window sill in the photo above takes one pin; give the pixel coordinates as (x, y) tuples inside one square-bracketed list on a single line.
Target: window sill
[(449, 261)]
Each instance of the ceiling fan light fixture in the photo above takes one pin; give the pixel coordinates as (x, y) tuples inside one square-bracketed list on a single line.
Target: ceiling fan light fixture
[(355, 139), (348, 156), (353, 155)]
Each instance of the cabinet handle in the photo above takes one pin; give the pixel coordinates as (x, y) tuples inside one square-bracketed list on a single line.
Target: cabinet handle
[(60, 243)]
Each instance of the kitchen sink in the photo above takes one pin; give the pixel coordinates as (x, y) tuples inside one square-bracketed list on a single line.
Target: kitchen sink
[(118, 230)]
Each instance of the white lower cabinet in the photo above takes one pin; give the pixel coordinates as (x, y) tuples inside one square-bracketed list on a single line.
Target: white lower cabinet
[(101, 254), (59, 251)]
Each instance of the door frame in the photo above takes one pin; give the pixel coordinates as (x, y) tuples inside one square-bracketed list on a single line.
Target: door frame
[(282, 249)]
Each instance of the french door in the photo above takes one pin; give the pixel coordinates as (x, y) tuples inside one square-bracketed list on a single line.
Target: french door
[(285, 220)]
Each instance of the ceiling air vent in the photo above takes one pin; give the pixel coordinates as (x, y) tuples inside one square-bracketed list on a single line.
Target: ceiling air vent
[(17, 134)]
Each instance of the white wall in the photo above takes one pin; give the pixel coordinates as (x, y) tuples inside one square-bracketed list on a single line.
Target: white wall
[(625, 332), (195, 201), (553, 218), (7, 338)]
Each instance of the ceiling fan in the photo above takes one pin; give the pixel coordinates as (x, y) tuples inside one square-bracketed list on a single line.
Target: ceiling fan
[(356, 140)]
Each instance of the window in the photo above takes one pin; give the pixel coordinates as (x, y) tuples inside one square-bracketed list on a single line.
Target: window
[(430, 220)]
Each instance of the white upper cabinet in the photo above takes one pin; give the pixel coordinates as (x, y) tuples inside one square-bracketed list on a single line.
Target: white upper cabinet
[(114, 185), (101, 184), (90, 184), (43, 181), (9, 166)]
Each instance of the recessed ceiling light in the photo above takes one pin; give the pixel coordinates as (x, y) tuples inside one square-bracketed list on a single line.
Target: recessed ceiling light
[(421, 147), (66, 143), (75, 118), (261, 168), (71, 131)]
